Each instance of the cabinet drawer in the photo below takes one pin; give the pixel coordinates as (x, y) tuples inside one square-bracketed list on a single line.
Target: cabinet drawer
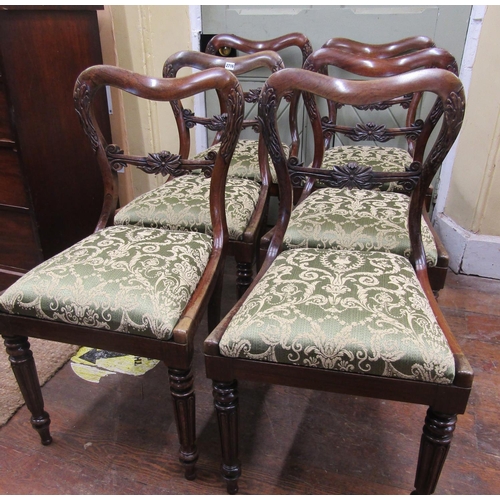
[(12, 190), (18, 246), (6, 133)]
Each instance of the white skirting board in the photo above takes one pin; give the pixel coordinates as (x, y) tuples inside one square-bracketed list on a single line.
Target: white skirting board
[(470, 253)]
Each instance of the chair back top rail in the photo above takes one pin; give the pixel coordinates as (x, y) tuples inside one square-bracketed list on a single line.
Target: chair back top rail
[(383, 50), (251, 46)]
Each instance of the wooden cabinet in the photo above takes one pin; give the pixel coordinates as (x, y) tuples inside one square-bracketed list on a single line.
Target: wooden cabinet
[(50, 184)]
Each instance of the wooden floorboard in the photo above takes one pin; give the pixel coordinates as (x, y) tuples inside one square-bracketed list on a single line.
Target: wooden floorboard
[(118, 436)]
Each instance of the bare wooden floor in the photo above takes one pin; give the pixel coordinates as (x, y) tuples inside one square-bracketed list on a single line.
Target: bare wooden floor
[(118, 436)]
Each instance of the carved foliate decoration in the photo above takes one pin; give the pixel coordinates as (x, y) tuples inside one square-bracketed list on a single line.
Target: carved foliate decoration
[(414, 131), (115, 157), (267, 108), (81, 98), (233, 121), (353, 175), (210, 157), (454, 110), (215, 123), (176, 108), (436, 111), (306, 50), (403, 101), (252, 96), (310, 104), (371, 131), (453, 67), (168, 71), (164, 162), (278, 66)]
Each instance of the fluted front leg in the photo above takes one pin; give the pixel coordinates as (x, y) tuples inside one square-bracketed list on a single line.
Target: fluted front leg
[(434, 445), (226, 403), (181, 388), (23, 366), (244, 276)]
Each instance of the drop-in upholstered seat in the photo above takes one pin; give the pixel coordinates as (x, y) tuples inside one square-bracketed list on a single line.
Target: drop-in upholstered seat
[(183, 204), (354, 312), (132, 280), (356, 219)]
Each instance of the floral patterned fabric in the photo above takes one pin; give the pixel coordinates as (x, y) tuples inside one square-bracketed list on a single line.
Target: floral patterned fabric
[(380, 158), (361, 312), (245, 161), (125, 279), (355, 219), (183, 204)]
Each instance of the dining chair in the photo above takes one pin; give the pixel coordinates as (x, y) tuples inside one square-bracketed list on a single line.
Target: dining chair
[(246, 153), (133, 290), (344, 321), (246, 199), (374, 181)]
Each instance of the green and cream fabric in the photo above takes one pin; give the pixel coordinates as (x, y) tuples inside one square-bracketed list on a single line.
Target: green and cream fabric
[(245, 160), (355, 219), (361, 312), (379, 158), (183, 204), (125, 279)]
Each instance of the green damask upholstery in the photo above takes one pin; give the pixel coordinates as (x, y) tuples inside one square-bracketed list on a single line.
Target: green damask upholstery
[(182, 204), (362, 312), (380, 158), (355, 219), (126, 279), (245, 161)]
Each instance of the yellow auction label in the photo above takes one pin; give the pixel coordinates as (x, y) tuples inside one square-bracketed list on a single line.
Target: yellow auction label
[(93, 364)]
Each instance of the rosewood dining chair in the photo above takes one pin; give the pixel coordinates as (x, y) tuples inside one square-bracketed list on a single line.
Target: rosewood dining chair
[(134, 290), (345, 321)]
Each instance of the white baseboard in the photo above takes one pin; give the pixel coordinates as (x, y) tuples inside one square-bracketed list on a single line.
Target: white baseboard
[(470, 253)]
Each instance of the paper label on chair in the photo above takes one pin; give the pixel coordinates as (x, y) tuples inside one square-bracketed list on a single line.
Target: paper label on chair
[(230, 66)]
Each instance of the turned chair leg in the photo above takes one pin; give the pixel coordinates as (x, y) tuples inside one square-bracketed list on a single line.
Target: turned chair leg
[(226, 403), (23, 366), (434, 445), (244, 276), (181, 388)]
